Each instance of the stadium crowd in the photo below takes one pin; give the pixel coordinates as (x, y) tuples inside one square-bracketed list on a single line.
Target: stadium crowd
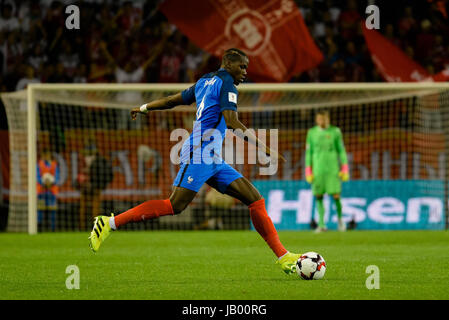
[(131, 41)]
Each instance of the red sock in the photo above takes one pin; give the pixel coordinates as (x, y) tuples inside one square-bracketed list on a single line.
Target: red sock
[(265, 227), (148, 210)]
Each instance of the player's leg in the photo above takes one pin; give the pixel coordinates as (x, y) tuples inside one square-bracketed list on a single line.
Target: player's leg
[(151, 209), (318, 190), (333, 188), (320, 208), (227, 180), (338, 205), (185, 189), (243, 190)]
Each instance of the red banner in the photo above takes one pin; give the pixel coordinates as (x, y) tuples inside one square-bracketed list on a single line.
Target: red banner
[(272, 33), (393, 64), (442, 76)]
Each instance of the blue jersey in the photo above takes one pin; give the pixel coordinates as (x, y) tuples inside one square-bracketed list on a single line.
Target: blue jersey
[(213, 93)]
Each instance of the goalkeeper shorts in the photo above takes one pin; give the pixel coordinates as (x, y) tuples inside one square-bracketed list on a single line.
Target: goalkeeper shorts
[(326, 183)]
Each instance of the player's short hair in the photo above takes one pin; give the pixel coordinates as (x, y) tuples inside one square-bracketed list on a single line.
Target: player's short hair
[(233, 55), (323, 112)]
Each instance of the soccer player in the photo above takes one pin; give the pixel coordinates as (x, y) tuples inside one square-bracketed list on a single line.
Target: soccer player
[(216, 97), (324, 150)]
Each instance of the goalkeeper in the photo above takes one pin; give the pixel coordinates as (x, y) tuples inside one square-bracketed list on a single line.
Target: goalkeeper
[(324, 150)]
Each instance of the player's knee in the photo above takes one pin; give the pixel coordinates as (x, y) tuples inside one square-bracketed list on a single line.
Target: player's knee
[(336, 196), (319, 197), (177, 210), (178, 207)]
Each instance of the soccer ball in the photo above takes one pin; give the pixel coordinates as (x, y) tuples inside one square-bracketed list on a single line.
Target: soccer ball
[(48, 178), (311, 266)]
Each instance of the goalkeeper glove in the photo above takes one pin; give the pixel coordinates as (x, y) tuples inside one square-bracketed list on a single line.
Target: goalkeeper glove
[(344, 176), (309, 175), (344, 173)]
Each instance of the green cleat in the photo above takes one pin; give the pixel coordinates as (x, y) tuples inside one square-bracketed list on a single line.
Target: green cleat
[(100, 232), (288, 262)]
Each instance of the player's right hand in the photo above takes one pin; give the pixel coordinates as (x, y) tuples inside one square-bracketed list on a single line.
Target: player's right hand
[(344, 176), (309, 178), (134, 113)]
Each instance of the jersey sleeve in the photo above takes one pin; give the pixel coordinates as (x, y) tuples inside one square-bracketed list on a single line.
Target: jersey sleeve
[(340, 146), (309, 151), (188, 95), (228, 96)]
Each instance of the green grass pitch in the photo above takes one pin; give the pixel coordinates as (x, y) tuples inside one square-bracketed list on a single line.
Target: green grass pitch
[(219, 265)]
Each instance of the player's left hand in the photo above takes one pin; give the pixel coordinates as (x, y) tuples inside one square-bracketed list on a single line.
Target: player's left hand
[(134, 113), (344, 176)]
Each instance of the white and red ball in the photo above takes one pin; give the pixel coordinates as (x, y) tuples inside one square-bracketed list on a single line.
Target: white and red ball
[(48, 178), (311, 266)]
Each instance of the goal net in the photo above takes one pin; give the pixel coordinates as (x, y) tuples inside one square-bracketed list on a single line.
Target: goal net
[(87, 157)]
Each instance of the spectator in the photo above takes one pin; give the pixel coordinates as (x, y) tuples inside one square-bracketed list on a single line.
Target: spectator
[(333, 10), (29, 78), (131, 73), (37, 58), (194, 61), (69, 59), (59, 75), (30, 15), (170, 64), (349, 20), (8, 22), (129, 17), (33, 33), (407, 22), (389, 34), (14, 52), (424, 41), (339, 71), (80, 74), (438, 53)]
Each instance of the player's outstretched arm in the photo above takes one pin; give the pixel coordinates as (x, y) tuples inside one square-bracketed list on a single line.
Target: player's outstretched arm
[(233, 122), (165, 103)]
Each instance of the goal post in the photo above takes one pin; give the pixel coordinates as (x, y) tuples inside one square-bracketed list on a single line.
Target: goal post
[(396, 136)]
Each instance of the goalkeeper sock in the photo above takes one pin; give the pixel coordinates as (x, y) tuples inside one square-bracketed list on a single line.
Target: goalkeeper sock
[(265, 227), (339, 208), (320, 206), (148, 210)]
